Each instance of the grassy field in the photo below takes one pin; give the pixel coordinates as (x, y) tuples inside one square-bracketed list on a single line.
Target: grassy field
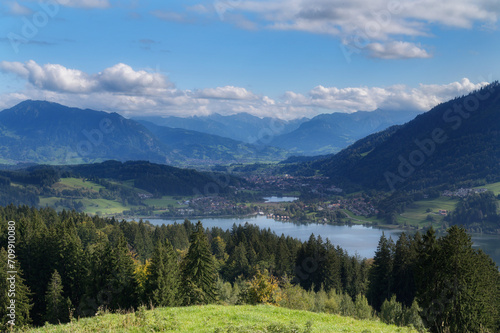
[(92, 206), (361, 219), (494, 187), (77, 183), (218, 318), (417, 213), (414, 215), (103, 206), (164, 201)]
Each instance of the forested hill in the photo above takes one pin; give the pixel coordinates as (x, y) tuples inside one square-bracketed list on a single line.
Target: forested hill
[(457, 142), (198, 146), (44, 132), (17, 186), (157, 178)]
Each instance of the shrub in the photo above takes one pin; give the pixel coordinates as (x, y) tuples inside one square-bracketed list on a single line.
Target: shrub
[(347, 307), (363, 309), (391, 312)]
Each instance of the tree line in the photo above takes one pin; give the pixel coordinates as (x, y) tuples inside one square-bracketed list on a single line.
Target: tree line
[(74, 265), (456, 286)]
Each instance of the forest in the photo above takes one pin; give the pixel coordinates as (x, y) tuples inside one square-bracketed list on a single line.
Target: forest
[(73, 265)]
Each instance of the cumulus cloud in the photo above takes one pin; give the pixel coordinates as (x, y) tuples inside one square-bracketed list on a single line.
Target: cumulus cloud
[(397, 97), (227, 92), (131, 92), (120, 78)]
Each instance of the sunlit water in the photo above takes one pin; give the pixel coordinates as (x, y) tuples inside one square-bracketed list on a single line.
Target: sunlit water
[(356, 239)]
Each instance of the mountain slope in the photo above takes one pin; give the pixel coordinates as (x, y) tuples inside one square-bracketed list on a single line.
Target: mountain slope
[(199, 146), (329, 133), (241, 127), (157, 178), (44, 132), (457, 142)]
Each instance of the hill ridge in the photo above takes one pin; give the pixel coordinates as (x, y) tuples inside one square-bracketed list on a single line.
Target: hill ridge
[(455, 142)]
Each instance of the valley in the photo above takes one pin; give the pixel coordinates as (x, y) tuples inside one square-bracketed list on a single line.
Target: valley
[(259, 166), (265, 219)]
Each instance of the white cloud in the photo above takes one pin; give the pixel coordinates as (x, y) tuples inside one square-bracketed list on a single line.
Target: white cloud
[(17, 9), (396, 50), (397, 97), (85, 3), (130, 92), (378, 23), (227, 92), (120, 78)]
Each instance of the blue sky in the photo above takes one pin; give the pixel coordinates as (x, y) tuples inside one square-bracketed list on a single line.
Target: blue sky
[(276, 58)]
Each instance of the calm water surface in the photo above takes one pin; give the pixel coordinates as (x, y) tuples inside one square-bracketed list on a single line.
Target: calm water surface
[(356, 239)]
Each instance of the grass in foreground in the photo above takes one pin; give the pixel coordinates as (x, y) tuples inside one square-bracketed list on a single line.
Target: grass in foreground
[(219, 318)]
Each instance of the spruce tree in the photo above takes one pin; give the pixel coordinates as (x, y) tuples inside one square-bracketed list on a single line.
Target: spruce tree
[(58, 308), (380, 276), (21, 298), (403, 270), (237, 263), (460, 288), (199, 273), (332, 269), (162, 287), (68, 253), (283, 257), (121, 279)]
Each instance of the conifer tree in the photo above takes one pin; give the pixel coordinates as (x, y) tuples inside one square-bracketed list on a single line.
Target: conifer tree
[(403, 271), (68, 254), (460, 286), (123, 286), (237, 263), (283, 257), (380, 287), (58, 308), (21, 298), (162, 287), (199, 273)]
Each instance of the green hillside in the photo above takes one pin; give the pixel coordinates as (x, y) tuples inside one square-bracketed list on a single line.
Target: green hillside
[(219, 318), (457, 143)]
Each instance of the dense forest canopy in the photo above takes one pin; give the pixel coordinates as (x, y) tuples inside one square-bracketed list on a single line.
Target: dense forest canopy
[(72, 264)]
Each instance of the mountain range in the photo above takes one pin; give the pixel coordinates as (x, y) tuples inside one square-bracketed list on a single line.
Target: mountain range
[(456, 143), (240, 127), (44, 132), (323, 134), (330, 133), (50, 133)]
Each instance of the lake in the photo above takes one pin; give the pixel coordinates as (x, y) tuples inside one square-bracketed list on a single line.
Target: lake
[(356, 239)]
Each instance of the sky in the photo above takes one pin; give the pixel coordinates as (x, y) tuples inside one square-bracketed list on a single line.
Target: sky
[(276, 58)]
